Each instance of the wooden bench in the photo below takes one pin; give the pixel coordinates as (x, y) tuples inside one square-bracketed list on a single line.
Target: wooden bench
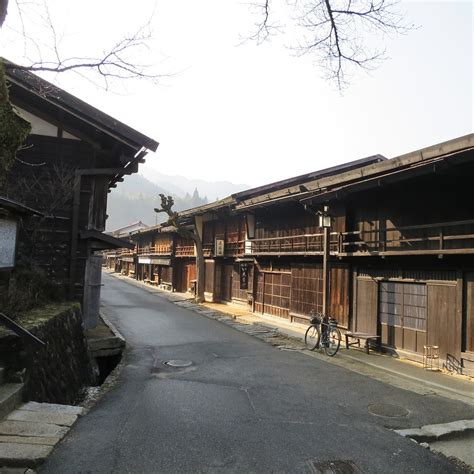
[(368, 338)]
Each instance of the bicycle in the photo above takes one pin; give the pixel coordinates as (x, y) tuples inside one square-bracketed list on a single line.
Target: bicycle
[(322, 333)]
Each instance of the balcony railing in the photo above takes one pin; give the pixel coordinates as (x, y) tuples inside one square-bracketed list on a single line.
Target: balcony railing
[(441, 238), (123, 252), (185, 251), (155, 250), (234, 249), (305, 244)]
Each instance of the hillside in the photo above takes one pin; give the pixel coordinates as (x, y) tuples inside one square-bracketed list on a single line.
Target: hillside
[(180, 185), (135, 198)]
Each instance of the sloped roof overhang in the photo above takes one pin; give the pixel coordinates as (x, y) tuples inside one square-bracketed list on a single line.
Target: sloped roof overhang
[(15, 207), (102, 241), (420, 163)]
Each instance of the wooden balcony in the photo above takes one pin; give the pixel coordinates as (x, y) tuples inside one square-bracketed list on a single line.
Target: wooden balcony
[(455, 237), (155, 250), (305, 244), (231, 249), (234, 249), (125, 252), (185, 251)]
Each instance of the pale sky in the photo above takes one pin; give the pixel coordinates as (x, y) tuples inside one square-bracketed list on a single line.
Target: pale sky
[(256, 114)]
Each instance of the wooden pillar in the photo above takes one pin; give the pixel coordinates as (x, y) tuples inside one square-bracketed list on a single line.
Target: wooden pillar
[(326, 276)]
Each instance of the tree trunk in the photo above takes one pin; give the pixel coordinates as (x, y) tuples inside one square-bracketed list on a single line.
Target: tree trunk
[(3, 11), (199, 268)]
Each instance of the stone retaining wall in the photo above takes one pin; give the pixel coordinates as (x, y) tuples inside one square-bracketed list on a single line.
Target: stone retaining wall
[(57, 372)]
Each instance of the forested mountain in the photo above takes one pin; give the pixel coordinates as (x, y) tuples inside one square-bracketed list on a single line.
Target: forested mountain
[(135, 198), (180, 185)]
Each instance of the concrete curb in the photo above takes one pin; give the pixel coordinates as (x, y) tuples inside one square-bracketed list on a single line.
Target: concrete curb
[(112, 327), (438, 431)]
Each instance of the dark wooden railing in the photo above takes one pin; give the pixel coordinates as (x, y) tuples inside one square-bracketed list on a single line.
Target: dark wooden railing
[(165, 249), (439, 238), (123, 252), (446, 237), (185, 251), (292, 245), (233, 249)]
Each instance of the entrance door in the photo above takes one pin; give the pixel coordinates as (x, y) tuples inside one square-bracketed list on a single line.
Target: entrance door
[(402, 315), (226, 288), (273, 294)]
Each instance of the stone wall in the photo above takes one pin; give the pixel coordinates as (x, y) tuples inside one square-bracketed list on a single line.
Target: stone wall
[(57, 372)]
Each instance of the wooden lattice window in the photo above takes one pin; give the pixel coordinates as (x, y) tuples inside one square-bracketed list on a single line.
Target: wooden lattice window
[(403, 305)]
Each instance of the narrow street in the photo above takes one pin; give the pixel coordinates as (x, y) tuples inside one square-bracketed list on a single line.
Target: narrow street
[(242, 406)]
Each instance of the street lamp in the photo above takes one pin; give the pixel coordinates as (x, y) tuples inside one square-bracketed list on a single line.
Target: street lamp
[(324, 218), (325, 222)]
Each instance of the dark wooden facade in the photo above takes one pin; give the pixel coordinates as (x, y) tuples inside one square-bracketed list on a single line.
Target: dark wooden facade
[(74, 155), (401, 249)]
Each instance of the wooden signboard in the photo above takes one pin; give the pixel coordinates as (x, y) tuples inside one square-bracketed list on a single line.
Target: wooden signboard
[(244, 276)]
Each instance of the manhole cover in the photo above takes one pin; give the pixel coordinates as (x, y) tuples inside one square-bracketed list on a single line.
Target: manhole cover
[(177, 363), (385, 409), (334, 467)]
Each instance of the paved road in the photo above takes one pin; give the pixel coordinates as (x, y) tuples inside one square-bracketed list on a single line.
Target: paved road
[(243, 406)]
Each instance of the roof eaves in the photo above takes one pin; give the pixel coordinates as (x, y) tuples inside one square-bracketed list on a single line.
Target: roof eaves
[(77, 107), (410, 165), (213, 206), (296, 180), (17, 207), (354, 175)]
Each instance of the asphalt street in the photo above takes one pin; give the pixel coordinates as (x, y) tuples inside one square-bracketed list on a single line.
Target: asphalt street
[(242, 406)]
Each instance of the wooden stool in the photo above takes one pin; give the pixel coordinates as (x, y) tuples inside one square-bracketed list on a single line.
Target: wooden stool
[(431, 357)]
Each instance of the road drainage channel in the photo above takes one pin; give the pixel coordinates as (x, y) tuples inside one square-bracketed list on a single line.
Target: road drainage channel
[(166, 368), (105, 365), (178, 363)]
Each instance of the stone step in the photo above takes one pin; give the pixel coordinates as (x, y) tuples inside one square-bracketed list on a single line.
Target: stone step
[(29, 433), (10, 397)]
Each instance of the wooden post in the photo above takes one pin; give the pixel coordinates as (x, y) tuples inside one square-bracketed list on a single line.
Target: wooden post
[(326, 245)]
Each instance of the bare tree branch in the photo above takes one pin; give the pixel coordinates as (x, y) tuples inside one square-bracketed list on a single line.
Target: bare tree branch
[(113, 64), (167, 203), (339, 32), (117, 62), (265, 27)]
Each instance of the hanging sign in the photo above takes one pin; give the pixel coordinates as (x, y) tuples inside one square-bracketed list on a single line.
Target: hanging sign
[(219, 252), (244, 276)]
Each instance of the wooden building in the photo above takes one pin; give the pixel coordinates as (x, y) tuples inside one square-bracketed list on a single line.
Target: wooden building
[(74, 155), (154, 255), (401, 249), (409, 242), (401, 246), (111, 259)]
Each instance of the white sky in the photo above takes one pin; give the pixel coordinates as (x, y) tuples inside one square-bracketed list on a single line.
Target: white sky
[(256, 114)]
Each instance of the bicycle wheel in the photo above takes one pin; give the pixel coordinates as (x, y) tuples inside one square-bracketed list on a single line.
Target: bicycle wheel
[(333, 342), (311, 338)]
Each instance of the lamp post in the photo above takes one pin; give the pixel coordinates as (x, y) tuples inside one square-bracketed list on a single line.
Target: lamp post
[(325, 223)]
